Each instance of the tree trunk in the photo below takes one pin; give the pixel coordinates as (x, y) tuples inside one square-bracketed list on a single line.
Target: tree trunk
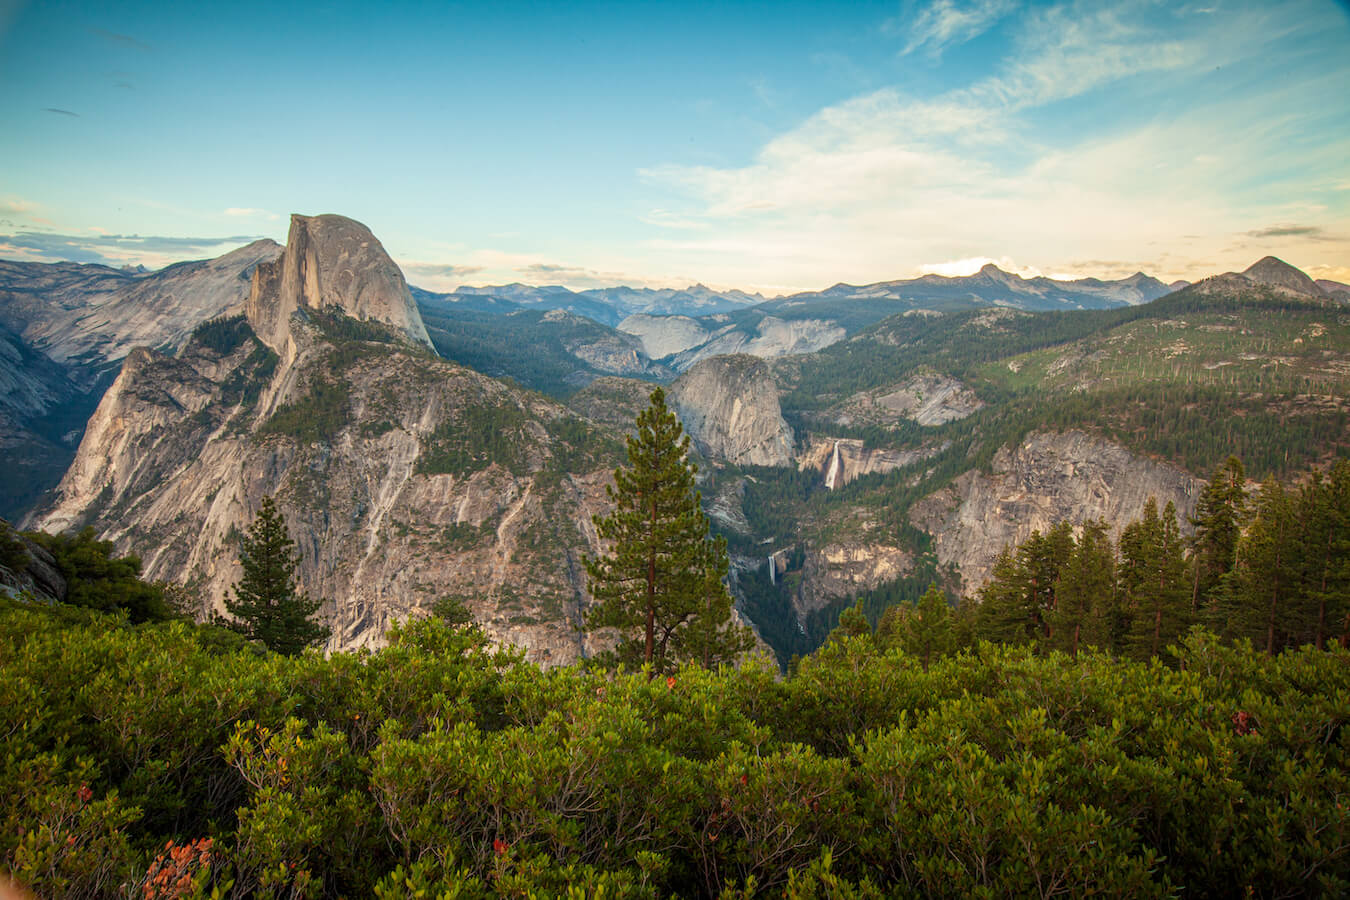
[(651, 594)]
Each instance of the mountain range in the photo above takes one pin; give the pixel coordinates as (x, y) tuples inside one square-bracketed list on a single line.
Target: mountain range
[(854, 442)]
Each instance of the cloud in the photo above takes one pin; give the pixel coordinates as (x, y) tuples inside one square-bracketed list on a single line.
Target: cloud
[(442, 270), (117, 249), (875, 187), (1310, 232), (946, 22), (16, 207), (575, 277), (246, 212), (60, 112), (124, 40)]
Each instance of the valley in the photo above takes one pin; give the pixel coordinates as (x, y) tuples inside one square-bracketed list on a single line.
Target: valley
[(854, 444)]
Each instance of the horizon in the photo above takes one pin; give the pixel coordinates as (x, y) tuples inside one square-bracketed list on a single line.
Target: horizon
[(961, 269), (768, 149)]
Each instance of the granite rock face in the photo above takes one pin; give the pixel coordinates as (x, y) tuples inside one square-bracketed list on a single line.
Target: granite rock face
[(729, 406), (331, 263), (403, 478), (1050, 477)]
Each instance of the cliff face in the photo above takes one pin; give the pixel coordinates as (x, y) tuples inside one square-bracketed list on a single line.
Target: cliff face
[(378, 456), (1048, 478), (331, 262), (729, 406), (92, 315), (841, 460)]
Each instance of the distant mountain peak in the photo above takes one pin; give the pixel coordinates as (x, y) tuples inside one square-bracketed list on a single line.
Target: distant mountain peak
[(1276, 272)]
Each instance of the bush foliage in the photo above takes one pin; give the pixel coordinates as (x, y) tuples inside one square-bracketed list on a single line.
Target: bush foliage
[(135, 759)]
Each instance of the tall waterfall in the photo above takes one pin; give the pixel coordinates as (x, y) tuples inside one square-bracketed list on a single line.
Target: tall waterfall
[(773, 570), (832, 473)]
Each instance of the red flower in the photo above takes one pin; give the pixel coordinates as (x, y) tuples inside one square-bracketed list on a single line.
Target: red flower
[(500, 846), (1244, 722), (84, 793), (745, 779), (670, 681)]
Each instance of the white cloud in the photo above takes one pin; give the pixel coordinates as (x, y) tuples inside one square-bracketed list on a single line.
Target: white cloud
[(875, 187), (249, 212), (945, 22)]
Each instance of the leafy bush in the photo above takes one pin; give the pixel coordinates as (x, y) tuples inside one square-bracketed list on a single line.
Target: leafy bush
[(439, 765)]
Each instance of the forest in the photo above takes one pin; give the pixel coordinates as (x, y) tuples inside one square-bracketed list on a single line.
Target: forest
[(1153, 716)]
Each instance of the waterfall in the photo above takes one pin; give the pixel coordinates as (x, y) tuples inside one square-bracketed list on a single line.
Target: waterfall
[(773, 570), (832, 473)]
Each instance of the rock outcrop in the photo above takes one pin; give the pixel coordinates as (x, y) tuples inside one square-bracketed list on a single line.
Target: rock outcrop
[(403, 478), (839, 571), (92, 315), (928, 398), (1048, 478), (664, 336), (331, 263), (729, 406)]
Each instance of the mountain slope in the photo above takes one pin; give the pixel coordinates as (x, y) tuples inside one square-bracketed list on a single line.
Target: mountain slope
[(64, 330), (404, 478)]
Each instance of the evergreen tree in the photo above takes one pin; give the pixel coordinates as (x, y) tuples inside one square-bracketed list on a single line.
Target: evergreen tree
[(1153, 581), (265, 605), (1218, 525), (926, 629), (661, 583), (1266, 598), (1085, 605)]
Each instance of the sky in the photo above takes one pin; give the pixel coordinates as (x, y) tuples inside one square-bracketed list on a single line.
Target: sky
[(773, 147)]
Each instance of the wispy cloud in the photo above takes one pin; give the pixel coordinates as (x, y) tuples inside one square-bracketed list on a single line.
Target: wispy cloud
[(124, 40), (945, 22), (60, 112), (442, 270), (570, 276), (116, 249), (1309, 232), (877, 186), (249, 212), (13, 206)]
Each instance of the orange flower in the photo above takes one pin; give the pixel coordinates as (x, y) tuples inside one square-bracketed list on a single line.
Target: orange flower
[(670, 681)]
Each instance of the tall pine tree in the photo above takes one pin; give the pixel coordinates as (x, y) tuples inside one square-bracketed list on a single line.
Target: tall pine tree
[(661, 584), (265, 604)]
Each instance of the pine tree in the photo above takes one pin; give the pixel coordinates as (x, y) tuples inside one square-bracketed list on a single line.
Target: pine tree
[(1085, 603), (1266, 596), (926, 631), (1218, 525), (661, 583), (265, 605), (1153, 581)]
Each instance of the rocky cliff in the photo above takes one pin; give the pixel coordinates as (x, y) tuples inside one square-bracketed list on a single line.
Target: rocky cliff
[(403, 478), (64, 328), (331, 262), (93, 315), (1048, 478), (729, 406)]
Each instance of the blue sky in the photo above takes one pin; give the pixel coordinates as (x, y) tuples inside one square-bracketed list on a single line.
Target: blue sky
[(773, 146)]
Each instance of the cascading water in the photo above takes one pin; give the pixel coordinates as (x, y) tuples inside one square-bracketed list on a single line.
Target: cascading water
[(832, 473)]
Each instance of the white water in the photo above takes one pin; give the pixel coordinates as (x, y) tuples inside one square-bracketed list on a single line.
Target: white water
[(832, 473)]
